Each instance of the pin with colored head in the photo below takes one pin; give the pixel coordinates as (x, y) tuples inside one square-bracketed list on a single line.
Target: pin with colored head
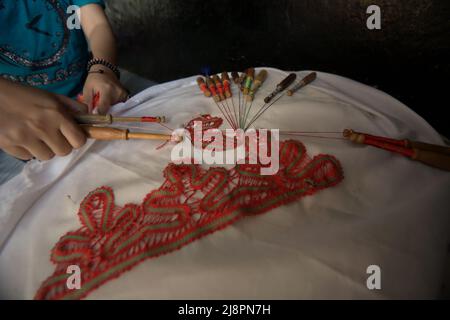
[(257, 83), (226, 84), (203, 87), (302, 83), (219, 86)]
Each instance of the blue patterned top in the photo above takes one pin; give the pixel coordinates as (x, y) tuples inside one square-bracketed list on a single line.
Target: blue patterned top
[(40, 44)]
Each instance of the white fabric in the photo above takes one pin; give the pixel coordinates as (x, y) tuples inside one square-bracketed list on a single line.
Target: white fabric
[(389, 211)]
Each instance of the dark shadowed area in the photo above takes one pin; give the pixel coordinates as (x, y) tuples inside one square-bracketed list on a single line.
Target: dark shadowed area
[(168, 39)]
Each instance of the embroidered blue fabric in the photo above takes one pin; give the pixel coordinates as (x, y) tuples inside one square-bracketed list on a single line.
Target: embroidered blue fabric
[(39, 45)]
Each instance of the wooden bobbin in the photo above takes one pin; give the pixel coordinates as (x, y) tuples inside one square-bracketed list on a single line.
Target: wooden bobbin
[(213, 89), (235, 77), (283, 85), (257, 83), (226, 84), (225, 76), (109, 119), (219, 86), (203, 87), (427, 147), (302, 83), (354, 136), (141, 119), (431, 155), (434, 159), (109, 134), (250, 75), (241, 79)]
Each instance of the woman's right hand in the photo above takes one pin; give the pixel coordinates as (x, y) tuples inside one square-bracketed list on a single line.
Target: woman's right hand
[(37, 123)]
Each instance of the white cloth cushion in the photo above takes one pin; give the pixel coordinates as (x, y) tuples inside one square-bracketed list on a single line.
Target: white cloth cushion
[(389, 211)]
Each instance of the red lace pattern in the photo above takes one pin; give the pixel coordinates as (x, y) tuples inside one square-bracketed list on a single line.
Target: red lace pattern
[(208, 122), (191, 203)]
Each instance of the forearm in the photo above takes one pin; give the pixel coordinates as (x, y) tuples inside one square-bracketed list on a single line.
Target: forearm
[(98, 33), (102, 87), (102, 44)]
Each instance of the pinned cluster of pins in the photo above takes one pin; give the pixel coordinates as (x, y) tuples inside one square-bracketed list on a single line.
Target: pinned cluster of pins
[(219, 88), (248, 83)]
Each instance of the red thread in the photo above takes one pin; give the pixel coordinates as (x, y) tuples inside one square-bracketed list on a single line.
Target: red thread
[(150, 119), (226, 86), (208, 122), (400, 143), (219, 88), (389, 145), (213, 90), (204, 88), (95, 100)]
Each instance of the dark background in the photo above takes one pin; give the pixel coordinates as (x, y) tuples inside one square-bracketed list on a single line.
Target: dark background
[(168, 39)]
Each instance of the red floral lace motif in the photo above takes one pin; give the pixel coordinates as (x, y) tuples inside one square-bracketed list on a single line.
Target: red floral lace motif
[(208, 122), (191, 203)]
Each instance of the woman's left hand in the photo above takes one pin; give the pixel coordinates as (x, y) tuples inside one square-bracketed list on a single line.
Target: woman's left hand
[(103, 83)]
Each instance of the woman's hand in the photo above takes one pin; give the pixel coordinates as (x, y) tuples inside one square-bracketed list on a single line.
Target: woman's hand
[(102, 82), (101, 41), (37, 123)]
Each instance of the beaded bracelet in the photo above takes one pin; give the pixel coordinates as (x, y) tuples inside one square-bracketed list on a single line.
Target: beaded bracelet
[(105, 63), (97, 71)]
